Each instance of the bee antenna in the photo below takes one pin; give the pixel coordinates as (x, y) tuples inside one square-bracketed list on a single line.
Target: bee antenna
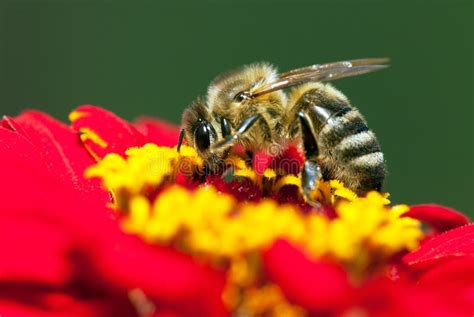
[(180, 140)]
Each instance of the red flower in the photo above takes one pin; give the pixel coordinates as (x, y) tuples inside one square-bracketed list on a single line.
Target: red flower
[(435, 280), (64, 253), (445, 288)]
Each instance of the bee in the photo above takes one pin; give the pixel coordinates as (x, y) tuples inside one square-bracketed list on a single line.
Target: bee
[(249, 106)]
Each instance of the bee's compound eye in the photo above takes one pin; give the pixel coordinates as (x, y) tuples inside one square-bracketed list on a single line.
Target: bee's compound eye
[(202, 137), (241, 96)]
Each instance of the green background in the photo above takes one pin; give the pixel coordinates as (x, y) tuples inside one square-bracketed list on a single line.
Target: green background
[(154, 57)]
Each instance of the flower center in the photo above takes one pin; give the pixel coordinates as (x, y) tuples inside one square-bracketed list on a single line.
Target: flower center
[(166, 200)]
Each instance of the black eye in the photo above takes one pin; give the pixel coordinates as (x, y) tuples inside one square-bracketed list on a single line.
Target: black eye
[(225, 127), (241, 96), (202, 137)]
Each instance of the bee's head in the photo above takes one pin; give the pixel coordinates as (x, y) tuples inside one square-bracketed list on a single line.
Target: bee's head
[(201, 131)]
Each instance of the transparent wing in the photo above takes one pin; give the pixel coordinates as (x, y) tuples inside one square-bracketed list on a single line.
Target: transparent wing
[(343, 64), (323, 72)]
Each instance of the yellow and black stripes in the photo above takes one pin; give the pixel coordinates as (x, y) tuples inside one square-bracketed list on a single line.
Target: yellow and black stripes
[(347, 149)]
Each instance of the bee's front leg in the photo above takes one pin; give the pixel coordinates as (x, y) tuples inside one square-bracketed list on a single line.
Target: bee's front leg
[(243, 128), (311, 172)]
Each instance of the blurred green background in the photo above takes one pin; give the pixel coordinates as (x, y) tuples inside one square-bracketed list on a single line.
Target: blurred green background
[(153, 57)]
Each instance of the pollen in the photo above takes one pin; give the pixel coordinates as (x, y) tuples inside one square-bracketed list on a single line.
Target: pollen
[(88, 134), (288, 180), (269, 173), (217, 228), (211, 223), (269, 301), (75, 115), (144, 168)]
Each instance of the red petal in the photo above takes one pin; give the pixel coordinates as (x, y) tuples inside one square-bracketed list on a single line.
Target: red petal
[(101, 255), (32, 250), (59, 148), (290, 161), (19, 150), (261, 161), (164, 275), (83, 236), (458, 272), (458, 242), (30, 184), (35, 243), (384, 298), (314, 285), (40, 231), (17, 309), (107, 132), (10, 124), (108, 304), (454, 279), (158, 131), (439, 217), (165, 314), (28, 301)]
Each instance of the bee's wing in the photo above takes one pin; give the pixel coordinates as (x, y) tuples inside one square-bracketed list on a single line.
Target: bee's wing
[(323, 72), (344, 64)]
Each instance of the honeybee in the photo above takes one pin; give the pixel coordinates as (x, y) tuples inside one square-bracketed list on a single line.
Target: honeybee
[(248, 106)]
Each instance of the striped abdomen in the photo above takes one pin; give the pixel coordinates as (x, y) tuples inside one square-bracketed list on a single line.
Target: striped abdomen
[(350, 152)]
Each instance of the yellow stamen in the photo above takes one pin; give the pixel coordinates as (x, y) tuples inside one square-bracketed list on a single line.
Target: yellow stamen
[(340, 191), (287, 180), (143, 167), (139, 215), (75, 115), (96, 157), (269, 173), (221, 229), (236, 162), (225, 232), (88, 134), (269, 301), (247, 173)]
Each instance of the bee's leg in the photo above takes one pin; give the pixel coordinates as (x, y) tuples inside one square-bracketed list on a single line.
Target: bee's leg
[(242, 129), (250, 156), (311, 172)]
